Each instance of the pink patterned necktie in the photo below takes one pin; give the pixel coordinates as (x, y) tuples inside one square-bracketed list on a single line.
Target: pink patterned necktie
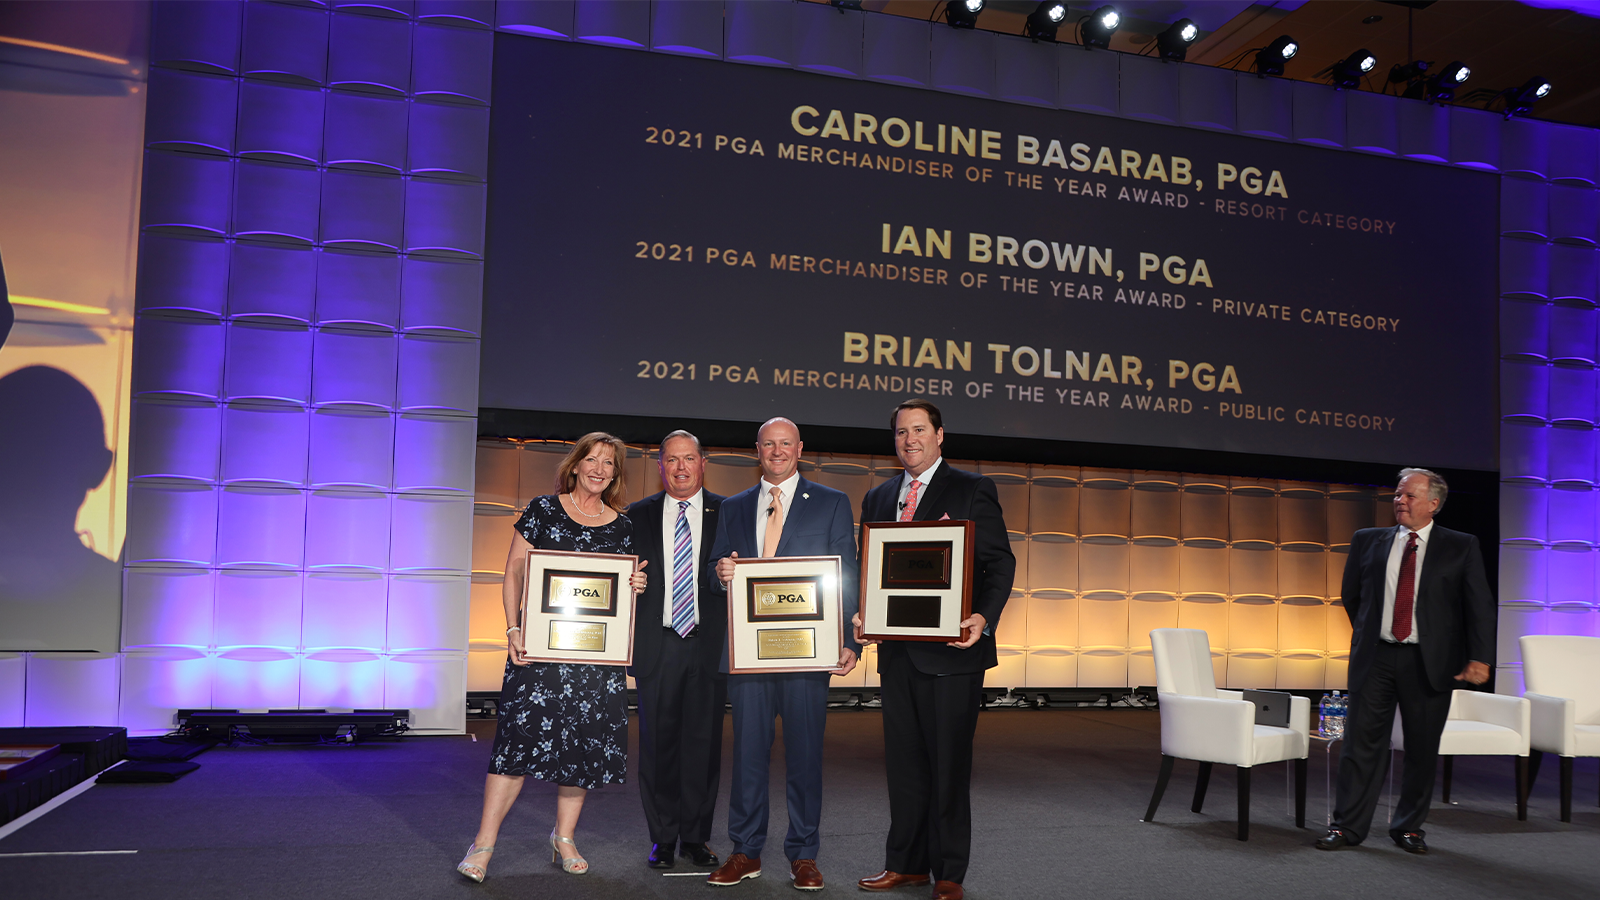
[(1405, 592), (910, 507)]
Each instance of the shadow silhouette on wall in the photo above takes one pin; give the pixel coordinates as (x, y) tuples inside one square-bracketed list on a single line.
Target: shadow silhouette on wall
[(55, 593)]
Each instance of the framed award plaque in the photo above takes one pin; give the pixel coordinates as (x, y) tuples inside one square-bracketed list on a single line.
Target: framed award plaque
[(784, 615), (578, 607), (916, 579)]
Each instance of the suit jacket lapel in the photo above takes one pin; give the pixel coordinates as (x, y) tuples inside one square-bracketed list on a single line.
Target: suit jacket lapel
[(936, 486), (708, 527)]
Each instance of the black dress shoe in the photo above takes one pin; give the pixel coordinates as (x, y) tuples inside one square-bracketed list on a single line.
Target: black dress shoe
[(700, 855), (1410, 841), (1333, 840), (660, 856)]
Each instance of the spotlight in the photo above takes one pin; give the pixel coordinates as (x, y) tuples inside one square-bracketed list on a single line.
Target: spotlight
[(1348, 72), (1442, 86), (963, 13), (1521, 99), (1043, 22), (1097, 29), (1174, 42), (1270, 59)]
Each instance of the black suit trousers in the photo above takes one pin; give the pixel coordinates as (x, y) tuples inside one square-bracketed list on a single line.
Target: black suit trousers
[(681, 710), (928, 725), (1397, 678)]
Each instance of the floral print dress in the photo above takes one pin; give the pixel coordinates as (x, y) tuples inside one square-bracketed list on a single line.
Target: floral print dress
[(565, 722)]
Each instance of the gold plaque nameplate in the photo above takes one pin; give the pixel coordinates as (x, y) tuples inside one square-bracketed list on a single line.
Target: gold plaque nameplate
[(566, 635), (775, 600), (786, 643), (586, 593)]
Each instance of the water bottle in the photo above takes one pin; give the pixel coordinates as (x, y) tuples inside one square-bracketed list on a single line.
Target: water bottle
[(1333, 725), (1325, 713)]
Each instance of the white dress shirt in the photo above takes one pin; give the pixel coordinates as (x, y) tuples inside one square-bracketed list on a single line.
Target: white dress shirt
[(669, 543), (786, 490), (905, 486), (1391, 579)]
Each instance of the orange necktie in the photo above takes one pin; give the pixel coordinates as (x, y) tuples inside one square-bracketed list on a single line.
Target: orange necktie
[(769, 546)]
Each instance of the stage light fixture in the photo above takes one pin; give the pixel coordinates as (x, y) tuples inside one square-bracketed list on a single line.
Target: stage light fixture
[(1270, 59), (1174, 42), (843, 5), (1348, 72), (1442, 86), (963, 13), (1521, 99), (1096, 30), (1045, 20)]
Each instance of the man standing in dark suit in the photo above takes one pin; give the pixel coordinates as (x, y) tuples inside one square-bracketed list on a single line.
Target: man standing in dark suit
[(1422, 619), (930, 691), (783, 515), (677, 648)]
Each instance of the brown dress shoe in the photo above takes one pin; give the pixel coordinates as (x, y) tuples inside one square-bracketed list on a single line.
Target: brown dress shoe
[(947, 890), (888, 881), (806, 875), (736, 869)]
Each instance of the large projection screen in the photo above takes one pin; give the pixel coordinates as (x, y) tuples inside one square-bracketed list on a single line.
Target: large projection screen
[(665, 240)]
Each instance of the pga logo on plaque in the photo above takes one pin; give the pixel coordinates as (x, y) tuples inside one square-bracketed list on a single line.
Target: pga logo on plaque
[(784, 615)]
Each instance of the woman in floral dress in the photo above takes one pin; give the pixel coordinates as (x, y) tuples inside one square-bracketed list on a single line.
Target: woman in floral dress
[(565, 723)]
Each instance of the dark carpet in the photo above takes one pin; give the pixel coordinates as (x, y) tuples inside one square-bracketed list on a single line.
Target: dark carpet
[(1057, 797)]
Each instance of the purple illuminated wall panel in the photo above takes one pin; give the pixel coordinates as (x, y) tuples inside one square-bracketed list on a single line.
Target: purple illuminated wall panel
[(328, 200)]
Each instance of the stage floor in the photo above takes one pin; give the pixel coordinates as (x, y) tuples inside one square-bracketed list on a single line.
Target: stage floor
[(1057, 796)]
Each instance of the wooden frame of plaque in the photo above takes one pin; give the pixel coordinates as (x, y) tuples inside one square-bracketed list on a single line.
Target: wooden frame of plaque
[(785, 615), (578, 607), (916, 579)]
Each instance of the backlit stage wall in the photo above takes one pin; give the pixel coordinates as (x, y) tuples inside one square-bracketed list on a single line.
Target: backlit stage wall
[(306, 351)]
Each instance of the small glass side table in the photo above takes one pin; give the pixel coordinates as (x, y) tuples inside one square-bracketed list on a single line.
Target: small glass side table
[(1327, 747)]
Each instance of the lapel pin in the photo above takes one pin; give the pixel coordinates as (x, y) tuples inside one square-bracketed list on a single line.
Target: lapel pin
[(805, 496)]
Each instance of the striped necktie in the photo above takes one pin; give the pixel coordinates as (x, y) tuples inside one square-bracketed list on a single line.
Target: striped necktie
[(682, 574), (1405, 590)]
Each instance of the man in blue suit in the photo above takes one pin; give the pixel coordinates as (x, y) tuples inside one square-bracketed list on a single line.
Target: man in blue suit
[(783, 515)]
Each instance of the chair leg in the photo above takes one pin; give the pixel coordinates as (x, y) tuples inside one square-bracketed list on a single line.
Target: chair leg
[(1535, 757), (1244, 801), (1200, 785), (1449, 770), (1522, 788), (1300, 792), (1566, 789), (1161, 788)]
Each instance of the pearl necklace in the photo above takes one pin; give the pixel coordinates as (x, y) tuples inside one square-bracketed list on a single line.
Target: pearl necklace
[(574, 501)]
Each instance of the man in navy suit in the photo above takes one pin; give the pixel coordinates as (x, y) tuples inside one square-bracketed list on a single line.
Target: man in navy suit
[(783, 515), (931, 691), (678, 636), (1421, 621)]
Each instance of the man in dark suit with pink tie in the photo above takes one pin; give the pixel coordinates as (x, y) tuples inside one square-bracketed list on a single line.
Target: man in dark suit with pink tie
[(931, 691)]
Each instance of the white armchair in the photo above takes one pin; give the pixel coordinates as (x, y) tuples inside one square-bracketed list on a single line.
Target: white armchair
[(1482, 724), (1562, 675), (1209, 726)]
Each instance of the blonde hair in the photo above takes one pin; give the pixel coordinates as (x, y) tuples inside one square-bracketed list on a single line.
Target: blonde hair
[(616, 494)]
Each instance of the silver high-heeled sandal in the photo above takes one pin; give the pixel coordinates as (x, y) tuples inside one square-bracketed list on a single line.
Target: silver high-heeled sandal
[(475, 872), (574, 866)]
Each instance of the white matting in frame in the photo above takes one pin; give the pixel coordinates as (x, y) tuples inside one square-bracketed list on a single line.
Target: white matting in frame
[(578, 607), (784, 615), (916, 580)]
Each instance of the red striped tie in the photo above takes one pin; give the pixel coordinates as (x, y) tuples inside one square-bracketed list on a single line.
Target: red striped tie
[(1405, 591)]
